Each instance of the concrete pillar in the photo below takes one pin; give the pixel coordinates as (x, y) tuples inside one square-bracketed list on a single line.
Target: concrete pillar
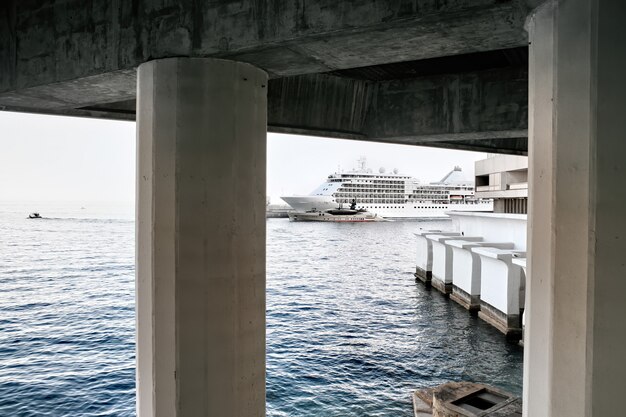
[(576, 329), (201, 137)]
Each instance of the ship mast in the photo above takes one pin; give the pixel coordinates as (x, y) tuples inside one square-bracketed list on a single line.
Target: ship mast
[(362, 163)]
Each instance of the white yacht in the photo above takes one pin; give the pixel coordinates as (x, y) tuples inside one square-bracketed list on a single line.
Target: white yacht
[(392, 195)]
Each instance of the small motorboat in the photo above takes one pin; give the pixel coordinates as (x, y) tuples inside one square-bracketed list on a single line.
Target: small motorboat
[(34, 216), (341, 211)]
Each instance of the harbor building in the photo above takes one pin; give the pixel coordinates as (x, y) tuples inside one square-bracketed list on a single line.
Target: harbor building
[(206, 80), (503, 178)]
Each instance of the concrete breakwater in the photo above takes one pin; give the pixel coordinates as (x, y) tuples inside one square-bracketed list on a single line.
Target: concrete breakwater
[(278, 211), (483, 271)]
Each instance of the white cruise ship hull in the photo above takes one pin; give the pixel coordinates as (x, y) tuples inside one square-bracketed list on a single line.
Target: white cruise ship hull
[(389, 211), (410, 211), (311, 203)]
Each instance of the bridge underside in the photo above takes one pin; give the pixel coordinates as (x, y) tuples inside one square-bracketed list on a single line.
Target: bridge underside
[(473, 102), (450, 75)]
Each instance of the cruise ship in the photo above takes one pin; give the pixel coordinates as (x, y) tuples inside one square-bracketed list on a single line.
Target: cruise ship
[(392, 195)]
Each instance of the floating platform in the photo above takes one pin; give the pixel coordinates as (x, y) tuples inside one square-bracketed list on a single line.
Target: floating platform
[(465, 399)]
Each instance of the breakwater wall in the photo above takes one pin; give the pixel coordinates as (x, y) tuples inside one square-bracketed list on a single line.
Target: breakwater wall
[(278, 211), (479, 265)]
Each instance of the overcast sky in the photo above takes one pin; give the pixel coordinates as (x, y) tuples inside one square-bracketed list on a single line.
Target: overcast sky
[(48, 158)]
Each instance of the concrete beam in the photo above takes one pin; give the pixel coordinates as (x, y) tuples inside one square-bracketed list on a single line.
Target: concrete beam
[(480, 110), (511, 146), (45, 42), (8, 44), (321, 105), (77, 58), (469, 106), (74, 94)]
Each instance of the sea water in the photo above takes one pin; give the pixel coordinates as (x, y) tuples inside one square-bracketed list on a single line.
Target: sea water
[(349, 332)]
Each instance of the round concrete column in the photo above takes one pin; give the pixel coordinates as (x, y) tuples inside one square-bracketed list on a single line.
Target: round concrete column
[(201, 138)]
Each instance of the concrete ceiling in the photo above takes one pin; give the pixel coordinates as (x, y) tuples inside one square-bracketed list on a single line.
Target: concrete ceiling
[(443, 73)]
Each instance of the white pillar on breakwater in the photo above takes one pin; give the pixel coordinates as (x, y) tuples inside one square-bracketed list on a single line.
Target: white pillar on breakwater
[(201, 133), (502, 290), (424, 258), (442, 260), (466, 271), (521, 262)]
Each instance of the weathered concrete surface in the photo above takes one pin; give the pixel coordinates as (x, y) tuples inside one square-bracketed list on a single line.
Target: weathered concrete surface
[(574, 361), (425, 276), (79, 58), (508, 324), (463, 298), (423, 402), (320, 104), (480, 110), (465, 399), (471, 105), (201, 132), (68, 96), (46, 41)]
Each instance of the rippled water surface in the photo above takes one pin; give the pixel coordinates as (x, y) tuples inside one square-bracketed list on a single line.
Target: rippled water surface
[(349, 332)]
